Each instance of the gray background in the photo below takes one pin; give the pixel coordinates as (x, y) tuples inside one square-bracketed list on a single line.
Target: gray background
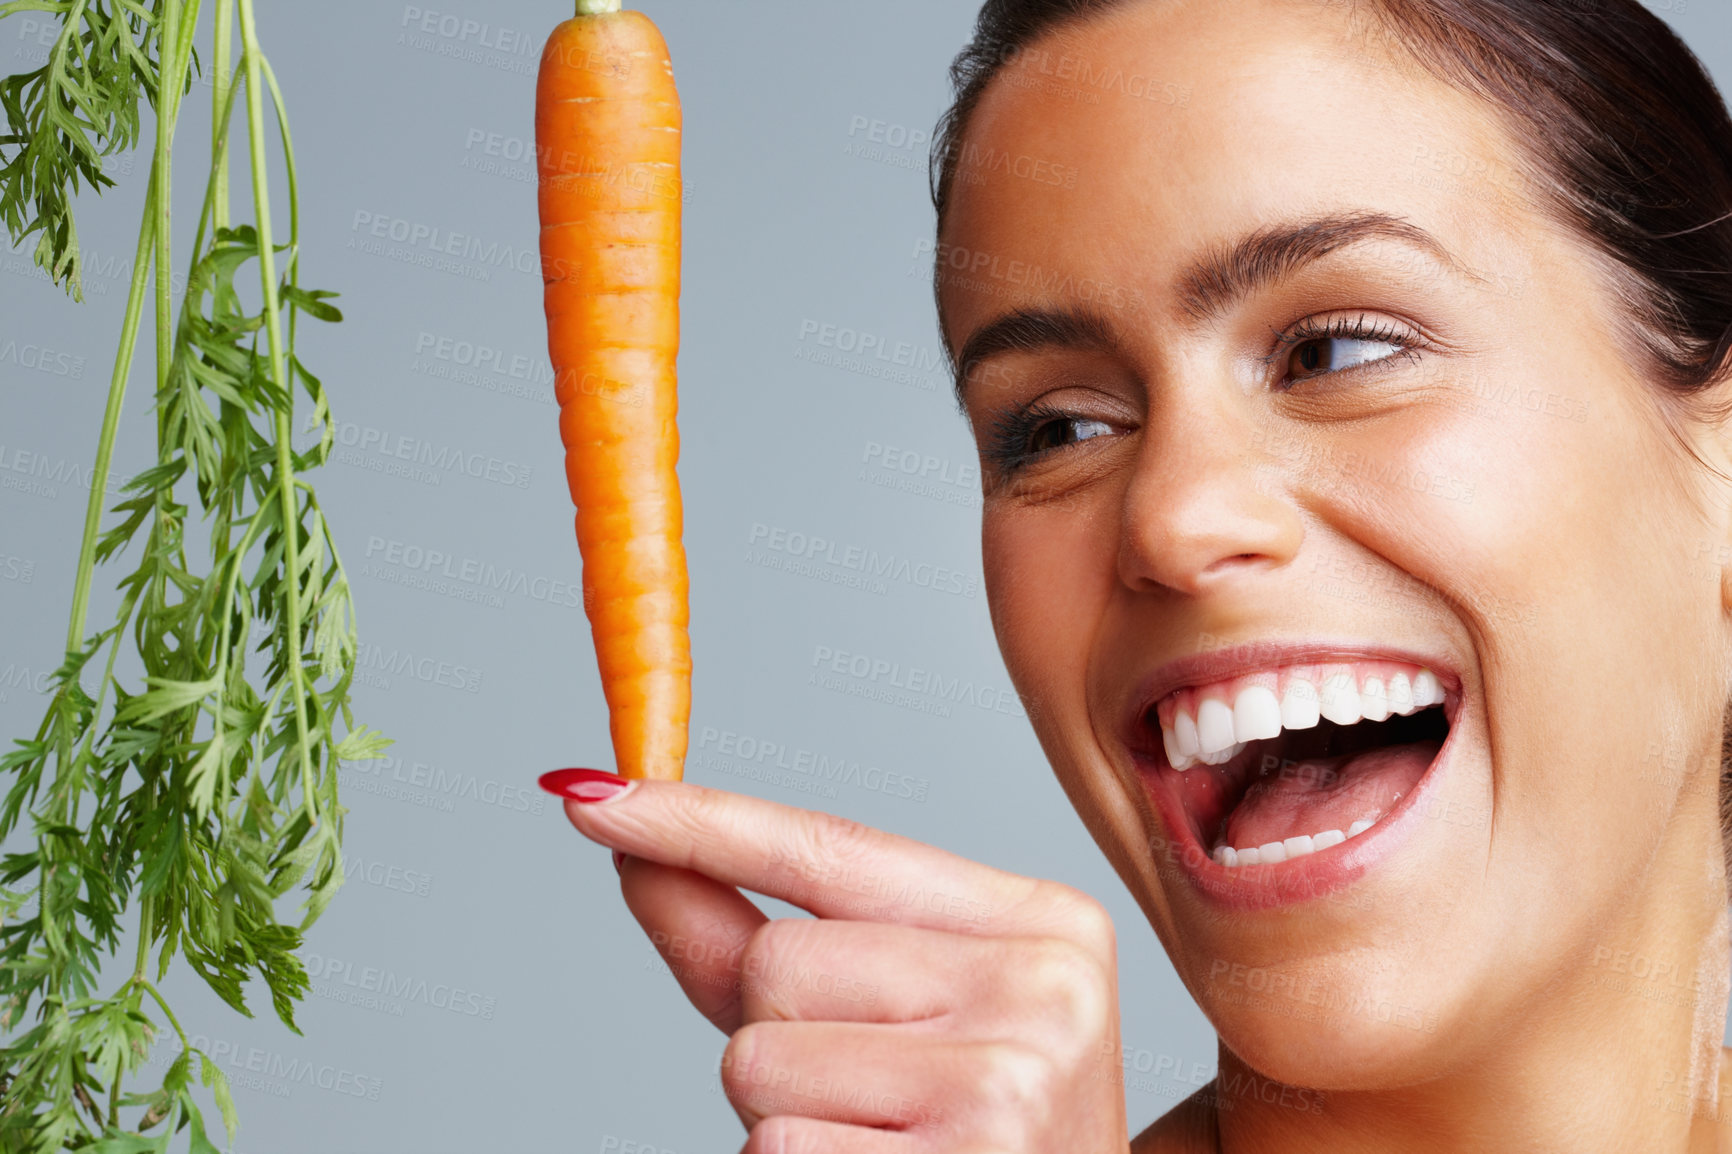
[(567, 1031)]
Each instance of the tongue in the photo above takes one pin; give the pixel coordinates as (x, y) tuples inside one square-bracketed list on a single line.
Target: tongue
[(1319, 794)]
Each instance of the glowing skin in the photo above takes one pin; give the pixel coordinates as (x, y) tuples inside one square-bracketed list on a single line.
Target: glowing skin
[(1424, 454), (1476, 986)]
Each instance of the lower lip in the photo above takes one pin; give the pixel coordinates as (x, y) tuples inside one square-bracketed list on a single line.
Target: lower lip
[(1314, 876)]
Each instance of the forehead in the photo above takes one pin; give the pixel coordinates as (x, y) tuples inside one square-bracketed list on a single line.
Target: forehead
[(1118, 149)]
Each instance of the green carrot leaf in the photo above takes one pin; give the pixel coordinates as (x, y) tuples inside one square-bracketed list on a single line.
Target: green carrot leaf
[(64, 119), (203, 790)]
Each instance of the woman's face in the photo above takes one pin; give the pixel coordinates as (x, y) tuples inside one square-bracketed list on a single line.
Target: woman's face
[(1293, 410)]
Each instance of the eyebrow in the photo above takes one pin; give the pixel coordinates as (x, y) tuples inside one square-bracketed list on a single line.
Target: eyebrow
[(1271, 255), (1027, 330), (1213, 283)]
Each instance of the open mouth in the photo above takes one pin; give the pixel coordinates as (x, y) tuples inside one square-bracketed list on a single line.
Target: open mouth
[(1284, 763)]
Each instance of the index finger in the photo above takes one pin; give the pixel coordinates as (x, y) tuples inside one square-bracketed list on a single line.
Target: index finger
[(824, 864)]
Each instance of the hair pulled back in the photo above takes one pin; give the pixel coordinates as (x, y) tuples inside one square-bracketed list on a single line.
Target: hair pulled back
[(1626, 138)]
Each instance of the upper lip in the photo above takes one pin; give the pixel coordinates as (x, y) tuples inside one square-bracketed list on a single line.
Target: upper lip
[(1251, 656)]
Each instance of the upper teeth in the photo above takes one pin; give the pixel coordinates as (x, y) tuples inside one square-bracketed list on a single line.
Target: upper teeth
[(1211, 724)]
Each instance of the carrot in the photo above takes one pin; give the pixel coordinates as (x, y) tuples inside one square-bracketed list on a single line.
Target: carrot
[(607, 131)]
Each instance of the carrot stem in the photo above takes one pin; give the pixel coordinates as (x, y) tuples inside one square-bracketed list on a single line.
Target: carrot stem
[(170, 78), (167, 103), (221, 54), (596, 7), (111, 417), (252, 63)]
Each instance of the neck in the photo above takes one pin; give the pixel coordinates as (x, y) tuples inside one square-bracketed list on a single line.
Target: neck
[(1620, 1050)]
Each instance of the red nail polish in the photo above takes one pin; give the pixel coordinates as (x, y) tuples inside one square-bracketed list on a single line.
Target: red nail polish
[(619, 861), (586, 785)]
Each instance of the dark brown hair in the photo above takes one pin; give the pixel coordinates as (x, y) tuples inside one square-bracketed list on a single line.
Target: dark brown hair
[(1627, 139)]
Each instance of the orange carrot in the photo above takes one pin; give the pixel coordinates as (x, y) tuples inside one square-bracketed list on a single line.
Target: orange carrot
[(607, 134)]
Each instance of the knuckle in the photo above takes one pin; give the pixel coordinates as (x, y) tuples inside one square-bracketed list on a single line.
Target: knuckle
[(1013, 1084), (777, 937), (835, 839), (1088, 922), (1070, 987), (1067, 912), (683, 818), (694, 816), (774, 950)]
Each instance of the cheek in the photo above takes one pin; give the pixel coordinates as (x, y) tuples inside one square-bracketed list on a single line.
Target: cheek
[(1562, 545), (1511, 500), (1049, 576)]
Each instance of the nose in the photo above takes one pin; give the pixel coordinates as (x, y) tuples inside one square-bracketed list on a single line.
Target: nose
[(1204, 506)]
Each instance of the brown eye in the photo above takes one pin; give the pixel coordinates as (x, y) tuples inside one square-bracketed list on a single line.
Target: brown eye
[(1316, 357), (1066, 431)]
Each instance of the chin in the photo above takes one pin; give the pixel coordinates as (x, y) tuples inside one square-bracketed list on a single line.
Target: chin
[(1333, 1026)]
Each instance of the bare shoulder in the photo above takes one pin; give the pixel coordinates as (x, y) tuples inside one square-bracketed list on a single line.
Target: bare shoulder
[(1191, 1127), (1188, 1128)]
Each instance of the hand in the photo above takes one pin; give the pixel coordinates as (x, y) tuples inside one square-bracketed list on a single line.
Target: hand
[(934, 1005)]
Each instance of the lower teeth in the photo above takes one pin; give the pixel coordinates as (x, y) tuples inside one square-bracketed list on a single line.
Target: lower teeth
[(1280, 851)]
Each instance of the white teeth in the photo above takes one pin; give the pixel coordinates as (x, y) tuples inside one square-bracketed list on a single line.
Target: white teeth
[(1373, 699), (1401, 695), (1279, 851), (1256, 714), (1185, 735), (1173, 757), (1180, 741), (1221, 756), (1220, 730), (1339, 699), (1299, 705), (1214, 726)]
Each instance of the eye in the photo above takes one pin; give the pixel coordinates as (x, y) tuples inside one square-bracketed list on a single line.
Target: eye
[(1021, 437), (1316, 349), (1056, 434), (1315, 357)]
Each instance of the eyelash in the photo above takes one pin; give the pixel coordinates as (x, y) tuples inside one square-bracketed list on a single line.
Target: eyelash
[(1007, 448), (1360, 328)]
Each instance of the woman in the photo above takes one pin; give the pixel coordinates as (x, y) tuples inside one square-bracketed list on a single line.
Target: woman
[(1358, 520)]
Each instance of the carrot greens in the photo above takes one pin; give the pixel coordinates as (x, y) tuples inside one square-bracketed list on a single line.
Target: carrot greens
[(177, 808)]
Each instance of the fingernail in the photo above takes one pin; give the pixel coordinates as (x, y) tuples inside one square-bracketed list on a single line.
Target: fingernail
[(619, 861), (585, 785)]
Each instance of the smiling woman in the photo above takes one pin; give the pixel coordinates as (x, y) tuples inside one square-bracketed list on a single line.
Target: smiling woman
[(1352, 418), (1378, 681)]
